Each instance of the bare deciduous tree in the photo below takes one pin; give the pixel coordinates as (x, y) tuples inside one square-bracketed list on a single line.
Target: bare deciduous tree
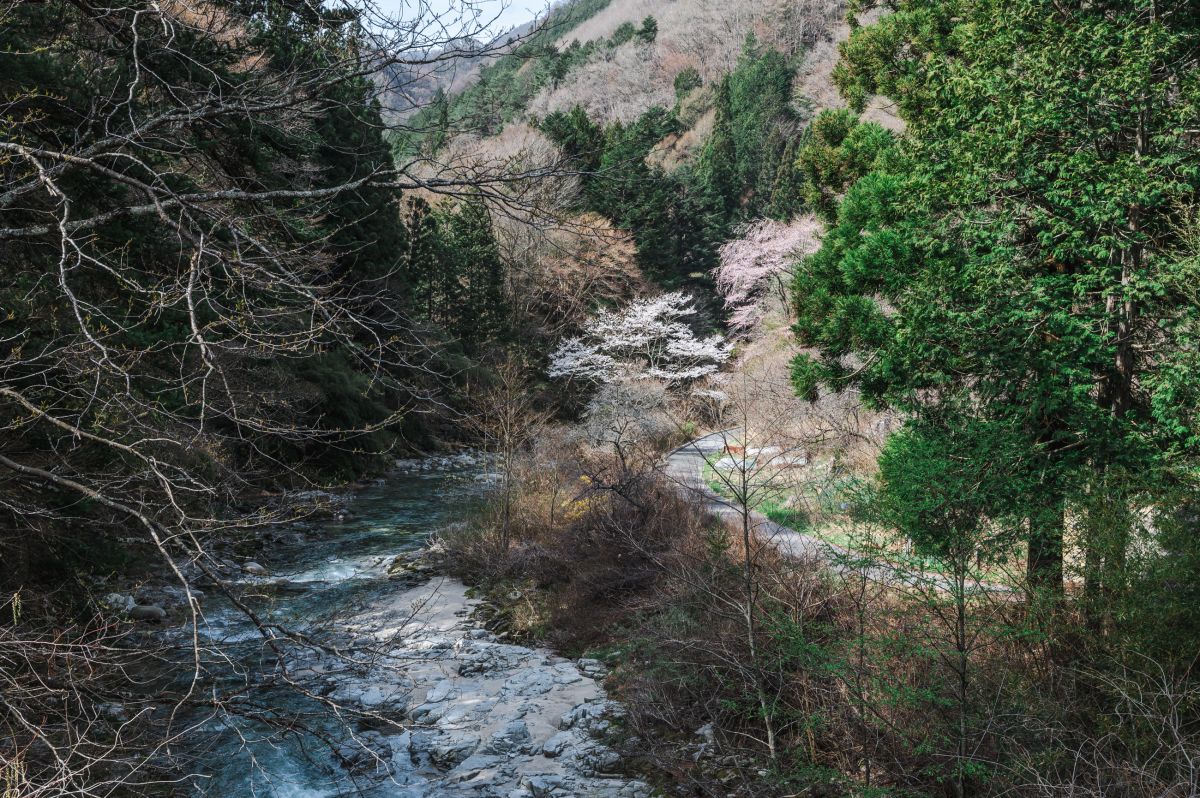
[(505, 415), (179, 241)]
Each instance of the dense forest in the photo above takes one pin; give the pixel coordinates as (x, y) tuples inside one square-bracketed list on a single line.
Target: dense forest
[(819, 376)]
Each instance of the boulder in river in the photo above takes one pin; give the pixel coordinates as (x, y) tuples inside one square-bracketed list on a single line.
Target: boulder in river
[(119, 602), (450, 748), (513, 738), (254, 569), (147, 612), (558, 743)]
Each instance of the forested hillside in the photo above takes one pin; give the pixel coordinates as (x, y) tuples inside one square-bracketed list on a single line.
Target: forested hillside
[(822, 375)]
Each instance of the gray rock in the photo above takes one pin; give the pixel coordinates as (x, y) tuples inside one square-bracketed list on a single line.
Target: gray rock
[(420, 744), (513, 738), (601, 759), (459, 714), (543, 786), (480, 769), (379, 694), (147, 612), (557, 744), (429, 713), (441, 691), (531, 682), (449, 749), (119, 601), (584, 716), (369, 752), (254, 569), (592, 668)]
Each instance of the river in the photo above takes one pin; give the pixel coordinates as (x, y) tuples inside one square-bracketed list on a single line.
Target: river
[(402, 694)]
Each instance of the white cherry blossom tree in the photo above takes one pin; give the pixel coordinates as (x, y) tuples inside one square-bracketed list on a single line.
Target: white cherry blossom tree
[(648, 338)]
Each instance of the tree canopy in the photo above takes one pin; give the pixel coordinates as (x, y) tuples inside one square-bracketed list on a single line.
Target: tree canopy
[(1020, 260)]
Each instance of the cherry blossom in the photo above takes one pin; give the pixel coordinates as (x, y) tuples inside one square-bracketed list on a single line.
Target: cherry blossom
[(646, 338), (755, 265)]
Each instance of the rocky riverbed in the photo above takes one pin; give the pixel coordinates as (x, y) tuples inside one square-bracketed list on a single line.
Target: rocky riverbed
[(481, 717), (379, 681)]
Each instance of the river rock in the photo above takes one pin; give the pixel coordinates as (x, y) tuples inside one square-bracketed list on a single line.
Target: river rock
[(119, 602), (558, 743), (592, 668), (254, 569), (513, 738), (369, 752), (479, 771), (147, 612), (584, 715), (531, 682), (451, 748), (440, 692), (429, 713), (546, 786), (483, 713), (566, 673)]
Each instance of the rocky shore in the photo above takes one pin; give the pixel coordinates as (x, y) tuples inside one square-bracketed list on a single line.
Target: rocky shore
[(476, 716), (422, 700)]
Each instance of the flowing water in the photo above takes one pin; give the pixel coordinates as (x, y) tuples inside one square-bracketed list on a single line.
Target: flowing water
[(406, 697), (338, 570)]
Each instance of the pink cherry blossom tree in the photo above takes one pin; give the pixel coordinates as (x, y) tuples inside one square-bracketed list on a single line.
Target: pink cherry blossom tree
[(754, 266)]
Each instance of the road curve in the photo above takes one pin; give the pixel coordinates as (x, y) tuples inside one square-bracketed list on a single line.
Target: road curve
[(685, 468)]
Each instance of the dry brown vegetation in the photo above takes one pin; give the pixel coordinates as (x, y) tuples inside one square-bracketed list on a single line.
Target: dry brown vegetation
[(871, 682), (703, 34)]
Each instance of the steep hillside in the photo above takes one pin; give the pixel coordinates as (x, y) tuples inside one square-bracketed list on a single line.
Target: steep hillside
[(703, 35), (713, 98)]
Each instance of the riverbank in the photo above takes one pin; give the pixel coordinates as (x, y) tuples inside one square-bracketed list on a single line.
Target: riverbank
[(372, 675), (476, 715)]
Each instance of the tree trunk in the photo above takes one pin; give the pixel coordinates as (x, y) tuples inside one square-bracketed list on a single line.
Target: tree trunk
[(1045, 561), (764, 705)]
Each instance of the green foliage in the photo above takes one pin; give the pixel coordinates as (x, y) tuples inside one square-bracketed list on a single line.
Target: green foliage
[(339, 143), (755, 121), (687, 81), (745, 168), (578, 136), (675, 227), (838, 150), (995, 269), (623, 34), (476, 313), (941, 485), (453, 267), (649, 30)]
